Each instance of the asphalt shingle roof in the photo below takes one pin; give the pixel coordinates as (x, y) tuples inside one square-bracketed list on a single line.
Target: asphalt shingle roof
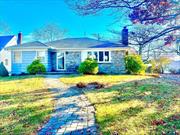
[(82, 43), (70, 43), (4, 41), (30, 45)]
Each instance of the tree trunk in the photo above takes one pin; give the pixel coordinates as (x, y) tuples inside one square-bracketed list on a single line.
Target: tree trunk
[(162, 70), (140, 50)]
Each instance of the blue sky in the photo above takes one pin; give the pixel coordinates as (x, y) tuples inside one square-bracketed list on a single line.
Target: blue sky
[(27, 15)]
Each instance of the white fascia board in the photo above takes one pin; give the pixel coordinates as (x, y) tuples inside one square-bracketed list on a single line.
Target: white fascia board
[(98, 49), (27, 49), (12, 42)]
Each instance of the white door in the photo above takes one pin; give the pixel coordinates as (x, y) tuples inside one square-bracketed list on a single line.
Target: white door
[(60, 61)]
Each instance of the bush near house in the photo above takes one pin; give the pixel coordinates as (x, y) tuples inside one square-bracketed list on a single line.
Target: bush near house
[(89, 66), (36, 67), (3, 70), (134, 64)]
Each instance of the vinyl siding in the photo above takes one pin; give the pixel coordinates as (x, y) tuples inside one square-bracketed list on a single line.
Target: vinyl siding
[(27, 58), (7, 54)]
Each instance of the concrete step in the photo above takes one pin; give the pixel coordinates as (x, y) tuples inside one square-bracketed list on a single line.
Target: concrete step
[(59, 73)]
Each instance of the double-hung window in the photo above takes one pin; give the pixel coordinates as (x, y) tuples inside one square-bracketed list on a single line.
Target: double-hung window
[(41, 55), (100, 56), (17, 57)]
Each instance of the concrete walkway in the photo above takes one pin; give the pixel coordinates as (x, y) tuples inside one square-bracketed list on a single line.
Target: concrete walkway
[(73, 114)]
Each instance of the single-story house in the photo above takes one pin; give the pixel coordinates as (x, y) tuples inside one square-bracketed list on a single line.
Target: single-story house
[(66, 55)]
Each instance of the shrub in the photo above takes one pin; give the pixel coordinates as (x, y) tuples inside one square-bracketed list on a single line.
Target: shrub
[(36, 67), (3, 70), (89, 66), (134, 64)]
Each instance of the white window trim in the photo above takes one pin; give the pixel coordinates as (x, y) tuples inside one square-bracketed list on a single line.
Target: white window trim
[(64, 61), (103, 55), (20, 58), (44, 55)]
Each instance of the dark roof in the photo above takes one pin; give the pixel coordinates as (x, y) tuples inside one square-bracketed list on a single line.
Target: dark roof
[(4, 41), (30, 45), (82, 43)]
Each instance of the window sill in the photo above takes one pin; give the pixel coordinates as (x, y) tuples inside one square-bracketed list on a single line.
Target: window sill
[(105, 62), (17, 63)]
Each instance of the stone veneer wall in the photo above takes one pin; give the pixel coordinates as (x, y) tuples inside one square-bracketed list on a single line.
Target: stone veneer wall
[(117, 65), (73, 60)]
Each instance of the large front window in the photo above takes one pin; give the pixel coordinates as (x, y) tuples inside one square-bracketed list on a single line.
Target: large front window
[(100, 56)]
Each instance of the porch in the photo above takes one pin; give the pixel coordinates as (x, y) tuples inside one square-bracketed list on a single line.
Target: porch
[(63, 62)]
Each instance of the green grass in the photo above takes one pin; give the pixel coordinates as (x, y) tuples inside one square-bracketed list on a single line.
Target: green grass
[(133, 104), (108, 79), (25, 103)]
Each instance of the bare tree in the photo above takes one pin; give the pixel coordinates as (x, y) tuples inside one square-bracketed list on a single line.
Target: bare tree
[(161, 12), (139, 35), (49, 32), (97, 36)]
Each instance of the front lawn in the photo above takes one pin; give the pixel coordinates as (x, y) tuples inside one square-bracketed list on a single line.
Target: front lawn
[(134, 105), (107, 79), (25, 103)]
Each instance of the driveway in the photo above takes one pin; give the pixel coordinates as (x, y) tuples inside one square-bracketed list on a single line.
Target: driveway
[(73, 113), (172, 77)]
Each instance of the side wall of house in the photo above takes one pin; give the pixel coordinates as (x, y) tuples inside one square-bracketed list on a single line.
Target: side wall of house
[(27, 57), (5, 56)]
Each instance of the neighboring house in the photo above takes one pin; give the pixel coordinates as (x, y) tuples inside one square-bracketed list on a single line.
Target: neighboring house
[(174, 66), (5, 56), (66, 55)]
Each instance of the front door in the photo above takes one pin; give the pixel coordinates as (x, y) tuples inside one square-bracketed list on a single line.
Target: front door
[(60, 61)]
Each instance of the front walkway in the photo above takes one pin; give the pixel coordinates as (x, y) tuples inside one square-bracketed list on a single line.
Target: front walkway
[(73, 114)]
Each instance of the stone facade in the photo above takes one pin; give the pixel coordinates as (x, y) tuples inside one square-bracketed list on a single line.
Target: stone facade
[(72, 60), (116, 66)]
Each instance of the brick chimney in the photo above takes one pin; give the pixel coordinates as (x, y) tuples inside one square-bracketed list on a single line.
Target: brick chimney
[(19, 40), (125, 36)]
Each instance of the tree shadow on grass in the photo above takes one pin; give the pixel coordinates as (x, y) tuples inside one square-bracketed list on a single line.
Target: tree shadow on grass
[(23, 112), (155, 93), (14, 78)]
